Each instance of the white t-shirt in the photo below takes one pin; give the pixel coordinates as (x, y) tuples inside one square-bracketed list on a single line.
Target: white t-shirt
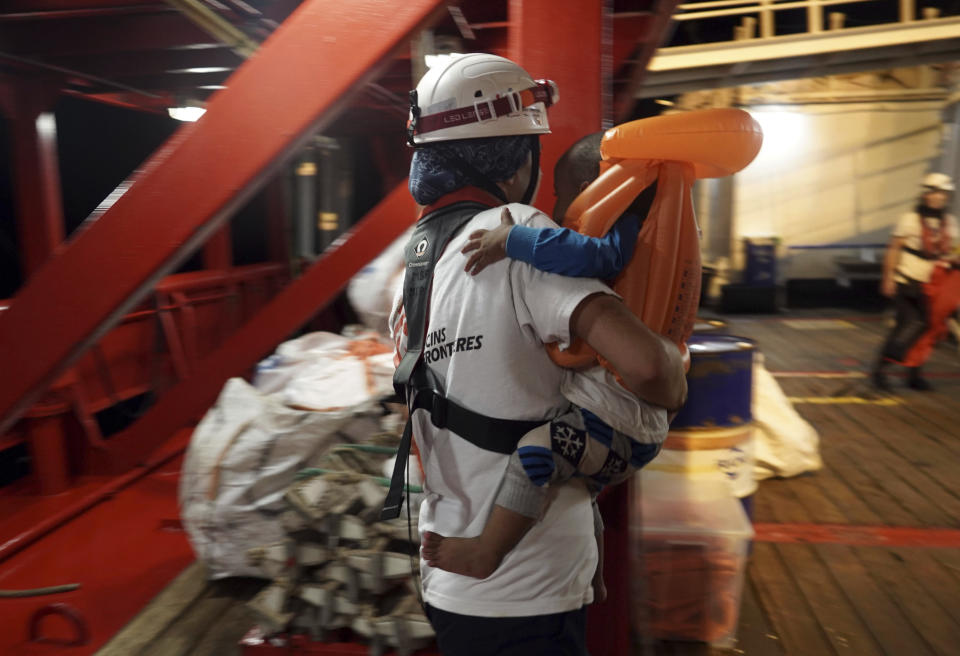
[(485, 340), (910, 230)]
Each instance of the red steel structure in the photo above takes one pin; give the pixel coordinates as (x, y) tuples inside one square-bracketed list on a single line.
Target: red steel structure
[(82, 333), (202, 174)]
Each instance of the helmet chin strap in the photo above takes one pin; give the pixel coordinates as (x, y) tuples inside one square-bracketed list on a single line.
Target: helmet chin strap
[(534, 182), (476, 177)]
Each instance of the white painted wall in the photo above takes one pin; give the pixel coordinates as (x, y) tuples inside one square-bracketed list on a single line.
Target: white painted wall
[(950, 148), (833, 173)]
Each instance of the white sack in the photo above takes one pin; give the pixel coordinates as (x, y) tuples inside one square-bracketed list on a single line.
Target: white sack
[(371, 291), (242, 458), (318, 371), (785, 444)]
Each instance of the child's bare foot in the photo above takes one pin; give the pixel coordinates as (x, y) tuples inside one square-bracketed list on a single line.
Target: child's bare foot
[(466, 556)]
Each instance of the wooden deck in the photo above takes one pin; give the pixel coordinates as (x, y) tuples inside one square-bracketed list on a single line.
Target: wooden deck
[(861, 578), (891, 466)]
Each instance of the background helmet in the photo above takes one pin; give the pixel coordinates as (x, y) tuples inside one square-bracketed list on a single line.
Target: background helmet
[(478, 95), (938, 182)]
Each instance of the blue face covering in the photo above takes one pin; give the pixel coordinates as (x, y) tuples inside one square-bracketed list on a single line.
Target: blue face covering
[(441, 168)]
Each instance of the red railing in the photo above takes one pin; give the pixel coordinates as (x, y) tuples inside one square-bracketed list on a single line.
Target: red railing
[(148, 351)]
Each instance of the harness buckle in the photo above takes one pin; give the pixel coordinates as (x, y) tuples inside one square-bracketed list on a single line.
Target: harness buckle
[(438, 410)]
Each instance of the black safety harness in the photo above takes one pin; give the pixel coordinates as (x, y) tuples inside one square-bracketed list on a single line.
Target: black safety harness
[(413, 381), (923, 255)]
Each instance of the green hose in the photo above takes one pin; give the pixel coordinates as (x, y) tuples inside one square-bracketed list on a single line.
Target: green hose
[(37, 592)]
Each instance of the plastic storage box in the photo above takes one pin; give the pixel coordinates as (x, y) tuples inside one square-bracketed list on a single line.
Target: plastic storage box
[(689, 544)]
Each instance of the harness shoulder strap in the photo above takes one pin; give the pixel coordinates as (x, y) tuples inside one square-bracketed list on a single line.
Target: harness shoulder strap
[(918, 253), (430, 238)]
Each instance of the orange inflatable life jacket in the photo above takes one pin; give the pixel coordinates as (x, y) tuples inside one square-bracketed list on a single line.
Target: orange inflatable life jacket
[(661, 282)]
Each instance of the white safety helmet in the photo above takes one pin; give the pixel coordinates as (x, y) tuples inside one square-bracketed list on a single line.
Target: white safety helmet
[(938, 182), (478, 95)]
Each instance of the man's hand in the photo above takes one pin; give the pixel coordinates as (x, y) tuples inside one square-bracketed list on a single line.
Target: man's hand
[(888, 287), (489, 246), (891, 260), (599, 587)]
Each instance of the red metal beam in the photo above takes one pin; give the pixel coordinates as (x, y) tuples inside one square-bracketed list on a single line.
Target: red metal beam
[(289, 310), (48, 454), (608, 623), (150, 62), (17, 6), (629, 31), (163, 81), (31, 66), (659, 29), (308, 70), (539, 38), (82, 12), (154, 104), (278, 250), (36, 176), (91, 35), (218, 251)]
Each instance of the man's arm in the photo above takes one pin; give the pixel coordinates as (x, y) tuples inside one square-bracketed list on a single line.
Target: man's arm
[(650, 365), (890, 261)]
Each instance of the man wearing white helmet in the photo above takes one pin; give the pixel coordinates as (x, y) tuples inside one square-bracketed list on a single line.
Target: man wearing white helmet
[(473, 369), (922, 241)]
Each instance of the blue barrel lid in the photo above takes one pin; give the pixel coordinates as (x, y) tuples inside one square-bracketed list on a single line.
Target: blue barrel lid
[(707, 343)]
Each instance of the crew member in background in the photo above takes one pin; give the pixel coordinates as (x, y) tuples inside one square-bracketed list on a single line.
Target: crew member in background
[(922, 241)]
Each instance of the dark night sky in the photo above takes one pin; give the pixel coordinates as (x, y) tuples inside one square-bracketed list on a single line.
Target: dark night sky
[(9, 261)]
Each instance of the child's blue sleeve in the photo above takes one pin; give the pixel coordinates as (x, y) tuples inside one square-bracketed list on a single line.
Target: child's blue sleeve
[(564, 251)]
